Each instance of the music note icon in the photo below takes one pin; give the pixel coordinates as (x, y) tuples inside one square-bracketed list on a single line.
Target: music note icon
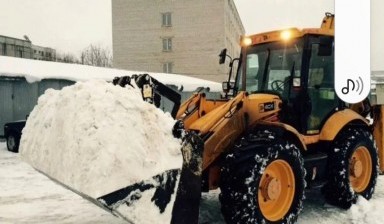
[(345, 90)]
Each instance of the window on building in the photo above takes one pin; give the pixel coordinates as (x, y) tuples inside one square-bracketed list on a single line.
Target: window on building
[(166, 19), (4, 50), (167, 67), (167, 44), (19, 51)]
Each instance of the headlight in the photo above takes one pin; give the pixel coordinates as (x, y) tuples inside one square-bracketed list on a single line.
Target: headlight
[(286, 35), (246, 41)]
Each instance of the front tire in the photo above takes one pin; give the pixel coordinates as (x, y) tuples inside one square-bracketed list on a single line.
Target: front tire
[(263, 182), (353, 168)]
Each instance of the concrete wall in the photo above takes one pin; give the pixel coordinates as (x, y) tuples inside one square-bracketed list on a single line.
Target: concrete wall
[(198, 31), (377, 35)]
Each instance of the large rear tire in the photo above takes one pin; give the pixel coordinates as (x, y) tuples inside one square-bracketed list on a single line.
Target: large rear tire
[(262, 181), (353, 168)]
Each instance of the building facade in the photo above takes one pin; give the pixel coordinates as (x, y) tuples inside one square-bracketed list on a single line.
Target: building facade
[(182, 36), (43, 53), (14, 47), (23, 48)]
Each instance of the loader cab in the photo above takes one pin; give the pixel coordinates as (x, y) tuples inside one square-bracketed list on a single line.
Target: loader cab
[(300, 70)]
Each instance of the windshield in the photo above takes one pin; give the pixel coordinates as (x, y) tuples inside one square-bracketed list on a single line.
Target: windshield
[(271, 66)]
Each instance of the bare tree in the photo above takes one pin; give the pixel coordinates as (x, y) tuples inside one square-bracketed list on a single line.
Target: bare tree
[(97, 56), (67, 58)]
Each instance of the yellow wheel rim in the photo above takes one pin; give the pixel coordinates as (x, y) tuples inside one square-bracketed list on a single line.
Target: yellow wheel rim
[(276, 190), (360, 169)]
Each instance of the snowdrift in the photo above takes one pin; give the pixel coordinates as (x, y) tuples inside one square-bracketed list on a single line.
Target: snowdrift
[(97, 138)]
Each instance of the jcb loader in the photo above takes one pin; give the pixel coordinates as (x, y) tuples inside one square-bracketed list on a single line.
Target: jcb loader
[(279, 129), (282, 129)]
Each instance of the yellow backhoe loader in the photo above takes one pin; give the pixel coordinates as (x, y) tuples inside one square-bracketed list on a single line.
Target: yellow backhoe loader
[(279, 129), (283, 129)]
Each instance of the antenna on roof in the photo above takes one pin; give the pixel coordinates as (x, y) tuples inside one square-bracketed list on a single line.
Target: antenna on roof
[(27, 38)]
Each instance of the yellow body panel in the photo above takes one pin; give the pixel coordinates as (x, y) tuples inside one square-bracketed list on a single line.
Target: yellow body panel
[(254, 107), (337, 121), (196, 107), (224, 135), (188, 105), (205, 123)]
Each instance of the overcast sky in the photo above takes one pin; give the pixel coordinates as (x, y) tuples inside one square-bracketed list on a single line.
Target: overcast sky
[(71, 25), (67, 25)]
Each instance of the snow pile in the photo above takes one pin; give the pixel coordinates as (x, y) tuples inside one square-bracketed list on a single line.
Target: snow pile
[(97, 138)]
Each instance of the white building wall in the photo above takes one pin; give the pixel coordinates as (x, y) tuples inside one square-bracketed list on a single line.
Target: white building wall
[(199, 31), (377, 36)]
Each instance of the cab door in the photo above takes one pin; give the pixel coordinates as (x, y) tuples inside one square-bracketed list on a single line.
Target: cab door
[(321, 92)]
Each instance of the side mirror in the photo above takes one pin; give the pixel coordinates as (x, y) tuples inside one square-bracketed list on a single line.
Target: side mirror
[(325, 46), (223, 55)]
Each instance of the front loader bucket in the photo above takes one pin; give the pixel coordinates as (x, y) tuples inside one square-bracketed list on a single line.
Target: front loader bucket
[(162, 187), (116, 151)]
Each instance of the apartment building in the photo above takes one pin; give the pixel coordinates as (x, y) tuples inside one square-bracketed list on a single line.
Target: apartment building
[(23, 48), (15, 47), (182, 36), (43, 53)]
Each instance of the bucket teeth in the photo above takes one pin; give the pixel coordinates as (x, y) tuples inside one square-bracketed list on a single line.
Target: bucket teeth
[(163, 183), (187, 203)]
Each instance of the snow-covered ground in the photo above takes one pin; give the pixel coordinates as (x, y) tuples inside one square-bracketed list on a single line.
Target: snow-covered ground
[(27, 196)]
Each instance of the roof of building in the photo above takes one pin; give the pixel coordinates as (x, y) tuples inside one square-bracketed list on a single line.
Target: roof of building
[(35, 70), (15, 38)]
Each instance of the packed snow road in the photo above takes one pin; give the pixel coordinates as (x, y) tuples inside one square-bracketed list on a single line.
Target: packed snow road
[(26, 196)]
